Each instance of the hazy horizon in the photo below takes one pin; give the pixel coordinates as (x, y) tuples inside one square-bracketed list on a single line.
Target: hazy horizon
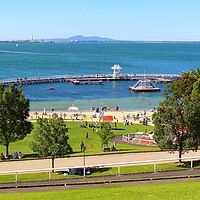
[(132, 20)]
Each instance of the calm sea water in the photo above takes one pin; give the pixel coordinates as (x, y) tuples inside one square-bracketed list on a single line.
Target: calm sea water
[(30, 60)]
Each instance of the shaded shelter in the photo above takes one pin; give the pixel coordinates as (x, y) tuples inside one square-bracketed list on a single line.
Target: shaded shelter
[(108, 118)]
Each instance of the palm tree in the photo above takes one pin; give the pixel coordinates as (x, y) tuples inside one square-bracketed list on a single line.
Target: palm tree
[(196, 74), (188, 79)]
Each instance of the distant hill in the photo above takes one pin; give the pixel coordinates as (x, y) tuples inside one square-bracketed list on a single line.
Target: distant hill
[(81, 38)]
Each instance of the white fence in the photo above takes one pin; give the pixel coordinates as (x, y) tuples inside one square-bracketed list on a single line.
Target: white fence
[(84, 167)]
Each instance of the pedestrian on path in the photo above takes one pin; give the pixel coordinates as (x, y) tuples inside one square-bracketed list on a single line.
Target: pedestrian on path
[(86, 135), (81, 146)]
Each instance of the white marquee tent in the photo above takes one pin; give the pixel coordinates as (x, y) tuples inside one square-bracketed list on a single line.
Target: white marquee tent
[(73, 108)]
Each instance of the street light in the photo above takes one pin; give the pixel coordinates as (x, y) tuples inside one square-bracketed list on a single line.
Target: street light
[(84, 161)]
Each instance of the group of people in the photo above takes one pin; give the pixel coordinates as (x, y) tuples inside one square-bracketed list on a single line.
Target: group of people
[(18, 155), (15, 155), (77, 171)]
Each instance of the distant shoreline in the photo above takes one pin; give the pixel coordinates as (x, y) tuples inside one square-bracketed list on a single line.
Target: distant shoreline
[(94, 41)]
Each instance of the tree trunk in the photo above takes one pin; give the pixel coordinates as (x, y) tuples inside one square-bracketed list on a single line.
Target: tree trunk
[(7, 146), (180, 149), (180, 154), (52, 163)]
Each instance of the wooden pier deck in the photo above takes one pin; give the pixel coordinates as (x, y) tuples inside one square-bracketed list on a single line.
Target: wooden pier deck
[(87, 78)]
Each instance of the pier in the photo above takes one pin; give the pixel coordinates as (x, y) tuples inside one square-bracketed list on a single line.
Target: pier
[(89, 78)]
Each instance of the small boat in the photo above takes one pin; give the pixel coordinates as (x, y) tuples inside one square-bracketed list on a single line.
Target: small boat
[(75, 82), (144, 86), (100, 82), (50, 88), (88, 82), (91, 82)]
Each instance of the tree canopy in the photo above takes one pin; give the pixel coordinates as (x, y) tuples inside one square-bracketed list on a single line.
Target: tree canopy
[(105, 133), (50, 138), (14, 112), (178, 116)]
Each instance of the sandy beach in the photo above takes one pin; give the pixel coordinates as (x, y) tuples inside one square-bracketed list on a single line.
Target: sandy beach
[(93, 116)]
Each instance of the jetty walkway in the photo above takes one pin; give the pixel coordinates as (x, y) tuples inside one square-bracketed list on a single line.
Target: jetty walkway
[(89, 79)]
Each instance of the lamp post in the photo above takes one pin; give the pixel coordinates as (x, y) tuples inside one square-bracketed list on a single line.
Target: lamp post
[(84, 161)]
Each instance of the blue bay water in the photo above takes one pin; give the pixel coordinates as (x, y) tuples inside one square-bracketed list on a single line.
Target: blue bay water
[(45, 59)]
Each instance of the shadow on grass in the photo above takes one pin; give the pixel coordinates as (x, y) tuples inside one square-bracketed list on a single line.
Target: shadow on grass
[(93, 171), (188, 164), (121, 150), (76, 152), (32, 155), (100, 170), (118, 129)]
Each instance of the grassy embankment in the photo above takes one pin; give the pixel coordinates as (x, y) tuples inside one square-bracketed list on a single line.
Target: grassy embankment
[(169, 191)]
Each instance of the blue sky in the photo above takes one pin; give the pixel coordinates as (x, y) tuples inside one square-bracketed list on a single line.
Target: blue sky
[(117, 19)]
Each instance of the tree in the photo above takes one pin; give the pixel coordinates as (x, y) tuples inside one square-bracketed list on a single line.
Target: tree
[(192, 108), (14, 112), (105, 133), (178, 117), (50, 138)]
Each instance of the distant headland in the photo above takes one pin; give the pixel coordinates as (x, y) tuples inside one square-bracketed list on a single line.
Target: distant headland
[(73, 39), (81, 38)]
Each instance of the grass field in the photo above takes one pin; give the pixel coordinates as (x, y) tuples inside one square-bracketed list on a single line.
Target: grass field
[(77, 134), (167, 191)]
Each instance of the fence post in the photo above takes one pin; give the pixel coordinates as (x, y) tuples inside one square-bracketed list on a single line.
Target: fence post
[(49, 175), (118, 170), (154, 167), (16, 177), (84, 160), (84, 172)]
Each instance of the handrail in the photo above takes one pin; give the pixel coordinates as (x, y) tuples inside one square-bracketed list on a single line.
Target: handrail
[(105, 165)]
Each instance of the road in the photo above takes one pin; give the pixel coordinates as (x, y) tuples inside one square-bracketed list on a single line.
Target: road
[(90, 160)]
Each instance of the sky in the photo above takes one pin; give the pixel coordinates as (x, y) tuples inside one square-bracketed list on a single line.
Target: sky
[(147, 20)]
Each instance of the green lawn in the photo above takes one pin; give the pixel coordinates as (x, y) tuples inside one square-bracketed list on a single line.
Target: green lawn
[(170, 191), (77, 134)]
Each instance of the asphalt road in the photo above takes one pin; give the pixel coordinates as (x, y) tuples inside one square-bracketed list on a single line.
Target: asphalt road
[(90, 160), (86, 186)]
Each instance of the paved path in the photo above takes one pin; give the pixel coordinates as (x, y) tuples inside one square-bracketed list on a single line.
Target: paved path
[(90, 160)]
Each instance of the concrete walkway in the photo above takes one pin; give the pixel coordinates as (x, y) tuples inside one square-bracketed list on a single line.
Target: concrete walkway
[(90, 160)]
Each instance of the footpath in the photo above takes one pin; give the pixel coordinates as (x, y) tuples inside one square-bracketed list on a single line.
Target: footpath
[(89, 181)]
